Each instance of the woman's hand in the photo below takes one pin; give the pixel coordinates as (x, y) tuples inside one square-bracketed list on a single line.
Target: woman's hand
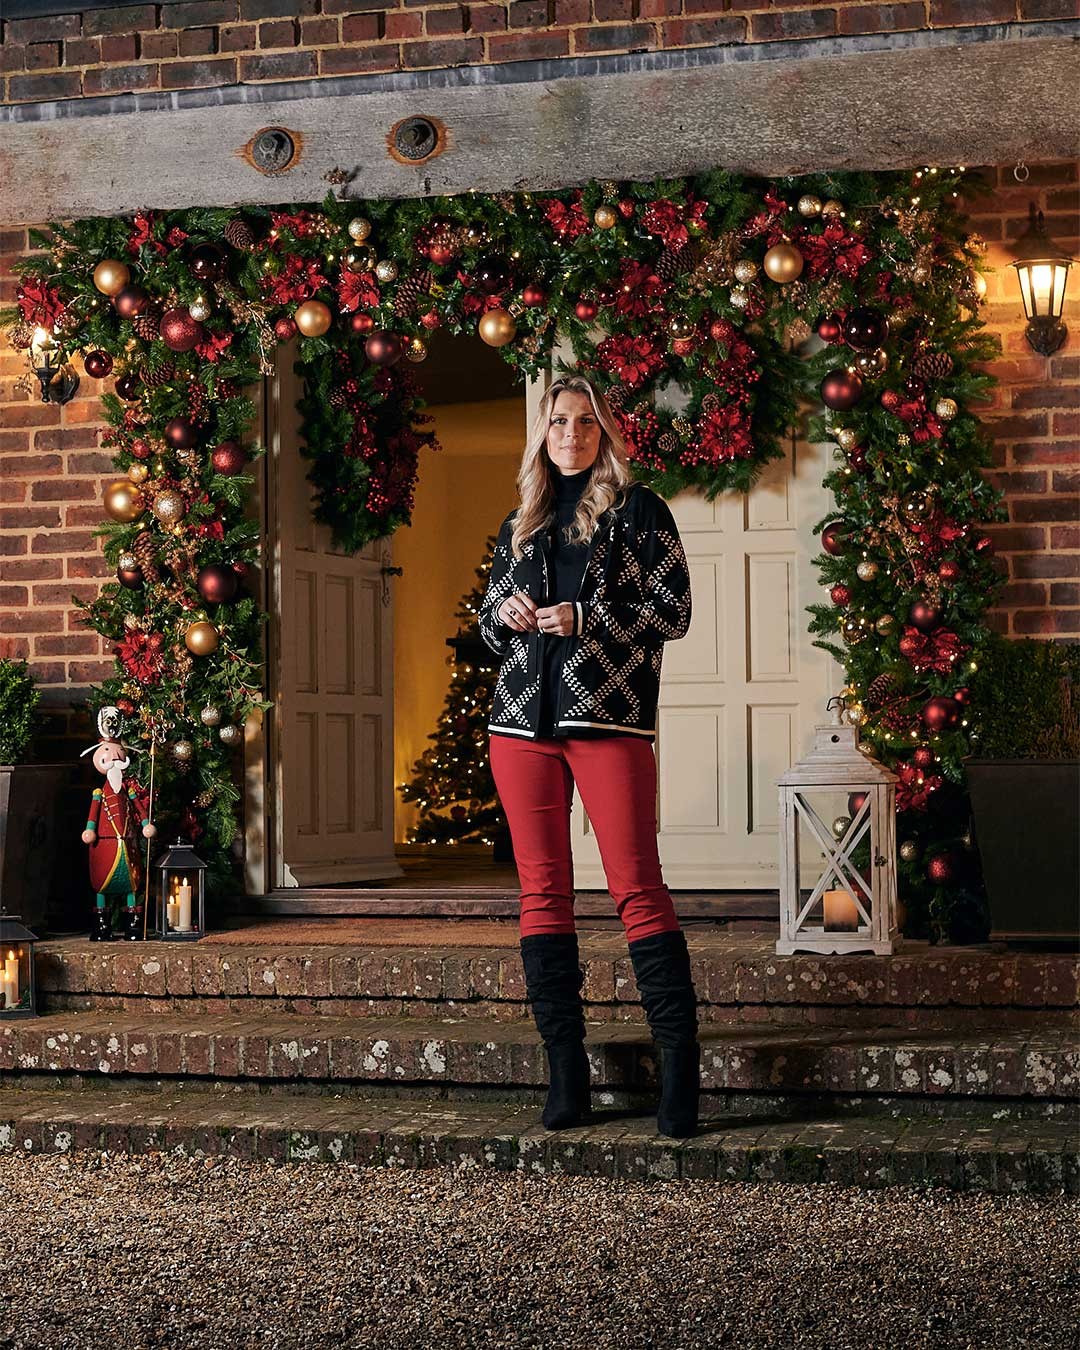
[(519, 613), (556, 619)]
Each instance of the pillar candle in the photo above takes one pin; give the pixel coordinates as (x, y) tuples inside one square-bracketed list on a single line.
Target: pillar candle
[(10, 982), (184, 897), (841, 914)]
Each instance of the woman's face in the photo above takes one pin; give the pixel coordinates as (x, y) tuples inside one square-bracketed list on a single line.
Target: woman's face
[(573, 439)]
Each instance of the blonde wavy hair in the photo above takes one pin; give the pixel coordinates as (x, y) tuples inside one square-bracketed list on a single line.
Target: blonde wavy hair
[(608, 483)]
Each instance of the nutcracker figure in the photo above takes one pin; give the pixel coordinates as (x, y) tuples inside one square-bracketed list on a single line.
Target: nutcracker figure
[(115, 863)]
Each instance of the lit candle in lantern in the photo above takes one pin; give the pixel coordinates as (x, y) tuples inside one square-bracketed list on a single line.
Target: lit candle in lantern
[(9, 983), (841, 913), (184, 902)]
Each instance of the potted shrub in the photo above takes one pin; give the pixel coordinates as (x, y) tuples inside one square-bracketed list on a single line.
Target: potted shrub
[(1025, 787), (29, 797)]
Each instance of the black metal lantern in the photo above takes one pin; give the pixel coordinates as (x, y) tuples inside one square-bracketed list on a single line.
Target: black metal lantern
[(18, 990), (1043, 270), (58, 381), (181, 899)]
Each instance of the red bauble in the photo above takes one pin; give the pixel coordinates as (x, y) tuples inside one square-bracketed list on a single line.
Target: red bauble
[(840, 595), (207, 262), (923, 616), (865, 329), (942, 868), (682, 346), (229, 458), (431, 320), (940, 713), (626, 208), (854, 802), (857, 459), (129, 385), (141, 448), (440, 252), (180, 433), (285, 328), (830, 329), (841, 389), (534, 295), (585, 310), (833, 540), (949, 571), (97, 364), (962, 696), (890, 399), (179, 331), (217, 584), (923, 757), (361, 323), (131, 302), (382, 349), (910, 645)]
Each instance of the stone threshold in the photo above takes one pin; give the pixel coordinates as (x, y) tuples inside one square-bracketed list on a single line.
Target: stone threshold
[(1015, 1157)]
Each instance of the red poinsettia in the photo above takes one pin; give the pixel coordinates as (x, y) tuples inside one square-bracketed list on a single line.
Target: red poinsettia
[(939, 650), (638, 292), (633, 359), (357, 290), (300, 224), (297, 281), (142, 225), (723, 434), (39, 303), (175, 236), (142, 660), (568, 220), (211, 348), (914, 787)]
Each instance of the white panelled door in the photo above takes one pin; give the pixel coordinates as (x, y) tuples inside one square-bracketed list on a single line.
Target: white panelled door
[(332, 678)]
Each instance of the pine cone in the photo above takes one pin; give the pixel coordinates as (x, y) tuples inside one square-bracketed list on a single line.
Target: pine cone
[(710, 403), (880, 690), (145, 550), (667, 443), (158, 375), (146, 326), (238, 232), (337, 398), (932, 365), (409, 291), (616, 396), (673, 262)]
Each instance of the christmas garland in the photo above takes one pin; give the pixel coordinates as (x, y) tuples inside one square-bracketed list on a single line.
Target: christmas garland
[(709, 285)]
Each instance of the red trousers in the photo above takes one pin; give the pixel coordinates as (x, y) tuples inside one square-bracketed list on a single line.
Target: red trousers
[(616, 777)]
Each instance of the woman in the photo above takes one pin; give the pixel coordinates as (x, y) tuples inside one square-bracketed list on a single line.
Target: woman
[(588, 581)]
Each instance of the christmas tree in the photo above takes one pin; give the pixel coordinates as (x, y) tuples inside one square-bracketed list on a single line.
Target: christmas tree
[(452, 782)]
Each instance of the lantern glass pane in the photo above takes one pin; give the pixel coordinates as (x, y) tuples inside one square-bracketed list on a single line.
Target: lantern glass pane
[(1057, 302), (1023, 273), (14, 976), (1042, 285)]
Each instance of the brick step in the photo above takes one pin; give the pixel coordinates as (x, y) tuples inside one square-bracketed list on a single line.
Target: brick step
[(1043, 1064), (737, 978), (1016, 1157)]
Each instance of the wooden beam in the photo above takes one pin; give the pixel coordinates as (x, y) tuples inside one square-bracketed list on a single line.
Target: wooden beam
[(967, 96)]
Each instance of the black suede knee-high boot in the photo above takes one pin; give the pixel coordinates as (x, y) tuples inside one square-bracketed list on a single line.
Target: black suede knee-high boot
[(553, 980), (662, 969)]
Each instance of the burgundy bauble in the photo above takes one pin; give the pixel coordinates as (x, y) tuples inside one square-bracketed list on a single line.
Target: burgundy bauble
[(129, 385), (890, 399), (382, 349), (840, 595), (942, 867), (949, 571), (855, 801), (830, 329), (361, 323), (533, 296), (492, 274), (217, 585), (207, 262), (440, 251), (865, 329), (841, 389), (97, 364), (627, 207), (141, 448), (243, 570), (180, 433), (923, 757), (833, 539), (940, 713), (131, 302), (179, 331), (585, 310), (229, 458), (284, 328), (923, 616), (962, 696), (130, 577), (909, 645)]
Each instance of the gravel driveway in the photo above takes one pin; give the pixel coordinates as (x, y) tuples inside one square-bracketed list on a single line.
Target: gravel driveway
[(123, 1253)]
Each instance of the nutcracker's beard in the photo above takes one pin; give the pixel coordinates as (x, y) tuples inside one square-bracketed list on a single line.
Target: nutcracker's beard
[(114, 774)]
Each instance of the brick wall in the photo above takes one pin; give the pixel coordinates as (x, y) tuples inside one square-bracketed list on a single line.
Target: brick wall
[(202, 43)]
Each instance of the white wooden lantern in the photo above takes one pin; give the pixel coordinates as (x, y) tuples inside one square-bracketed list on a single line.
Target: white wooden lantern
[(844, 912)]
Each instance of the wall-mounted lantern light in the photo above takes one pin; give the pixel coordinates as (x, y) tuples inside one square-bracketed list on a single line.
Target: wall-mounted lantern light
[(59, 383), (1043, 270)]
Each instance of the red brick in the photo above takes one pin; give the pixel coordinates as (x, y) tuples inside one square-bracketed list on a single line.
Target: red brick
[(61, 543), (1066, 424), (1017, 424), (197, 14), (1065, 593), (1023, 565), (527, 46), (44, 88), (30, 466), (528, 14), (1034, 622), (440, 22), (1049, 9), (1047, 452), (43, 56), (90, 672), (1045, 508), (952, 13), (572, 12), (396, 26), (492, 18), (1022, 593), (802, 24), (119, 80), (354, 6), (12, 546), (283, 66), (12, 58), (120, 47), (26, 517), (15, 595), (26, 569), (695, 32), (279, 33), (448, 52), (365, 27), (624, 37), (197, 42), (123, 19), (278, 9), (319, 32), (240, 38), (1065, 536), (63, 490), (48, 28), (1014, 538), (61, 595), (198, 74), (882, 18), (1047, 396), (93, 566), (39, 621), (82, 51), (614, 11)]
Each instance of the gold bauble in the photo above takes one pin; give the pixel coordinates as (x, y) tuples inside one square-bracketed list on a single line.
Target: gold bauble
[(230, 734), (783, 263), (832, 208), (359, 228), (809, 205), (605, 218), (123, 501), (313, 318), (909, 850), (680, 327), (415, 350), (854, 629), (746, 270), (847, 438), (739, 297), (201, 638), (360, 259), (885, 625), (497, 327), (867, 570), (386, 271), (946, 409), (841, 823), (168, 507), (138, 473), (127, 562), (872, 364), (199, 309), (182, 751), (111, 275)]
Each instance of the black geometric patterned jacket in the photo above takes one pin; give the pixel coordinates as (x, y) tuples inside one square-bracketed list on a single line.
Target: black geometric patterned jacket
[(634, 597)]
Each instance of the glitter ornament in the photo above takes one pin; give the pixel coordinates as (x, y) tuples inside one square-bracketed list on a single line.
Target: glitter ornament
[(359, 228), (867, 570)]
